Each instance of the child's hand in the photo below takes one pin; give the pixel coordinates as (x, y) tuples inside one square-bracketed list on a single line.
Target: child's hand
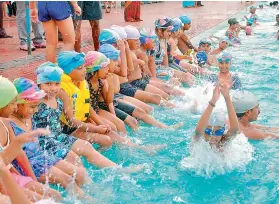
[(31, 136), (216, 93), (101, 129), (108, 127), (126, 45), (121, 45), (224, 88)]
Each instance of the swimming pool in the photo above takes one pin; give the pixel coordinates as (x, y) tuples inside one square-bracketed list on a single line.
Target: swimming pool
[(173, 175)]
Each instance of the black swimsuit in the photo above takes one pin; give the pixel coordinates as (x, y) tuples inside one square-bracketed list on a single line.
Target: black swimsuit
[(94, 95)]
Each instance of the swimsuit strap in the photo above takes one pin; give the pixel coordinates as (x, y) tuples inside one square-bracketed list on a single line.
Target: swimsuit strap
[(8, 142), (8, 135)]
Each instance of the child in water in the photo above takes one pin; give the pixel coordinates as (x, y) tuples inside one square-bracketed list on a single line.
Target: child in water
[(212, 125)]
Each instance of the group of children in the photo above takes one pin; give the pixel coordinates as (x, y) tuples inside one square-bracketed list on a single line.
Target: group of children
[(86, 99)]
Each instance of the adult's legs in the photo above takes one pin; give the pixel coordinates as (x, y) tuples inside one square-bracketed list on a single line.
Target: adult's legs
[(3, 33), (21, 25), (39, 35), (95, 31), (50, 28), (77, 27), (66, 28)]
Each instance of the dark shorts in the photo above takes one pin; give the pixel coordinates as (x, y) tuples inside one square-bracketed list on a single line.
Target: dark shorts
[(56, 10), (91, 10), (128, 89), (122, 110), (118, 96), (68, 130), (140, 83)]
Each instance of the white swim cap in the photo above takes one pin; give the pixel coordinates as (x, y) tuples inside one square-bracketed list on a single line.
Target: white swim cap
[(217, 118), (132, 32), (120, 30), (243, 101)]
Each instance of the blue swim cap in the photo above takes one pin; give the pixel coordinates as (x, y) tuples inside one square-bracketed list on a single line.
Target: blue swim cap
[(177, 24), (108, 36), (201, 57), (48, 72), (252, 7), (70, 60), (185, 19), (224, 56), (109, 51)]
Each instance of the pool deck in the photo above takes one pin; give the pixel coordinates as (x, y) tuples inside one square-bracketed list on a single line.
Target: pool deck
[(15, 63)]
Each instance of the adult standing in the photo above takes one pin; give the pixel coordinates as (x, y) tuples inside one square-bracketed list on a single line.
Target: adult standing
[(38, 40), (3, 33), (53, 15), (132, 11), (91, 11)]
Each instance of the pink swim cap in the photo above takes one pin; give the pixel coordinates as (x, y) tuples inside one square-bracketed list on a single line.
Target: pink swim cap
[(248, 30)]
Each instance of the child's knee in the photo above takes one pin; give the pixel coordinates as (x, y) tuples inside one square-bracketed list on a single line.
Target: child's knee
[(131, 121), (106, 141), (139, 112)]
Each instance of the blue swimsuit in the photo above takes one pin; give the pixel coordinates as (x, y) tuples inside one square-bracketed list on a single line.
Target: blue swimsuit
[(49, 117), (39, 160)]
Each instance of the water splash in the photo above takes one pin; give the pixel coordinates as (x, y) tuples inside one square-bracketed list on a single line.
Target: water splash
[(206, 162)]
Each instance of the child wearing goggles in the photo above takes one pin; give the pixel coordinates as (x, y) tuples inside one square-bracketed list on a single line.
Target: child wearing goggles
[(211, 125)]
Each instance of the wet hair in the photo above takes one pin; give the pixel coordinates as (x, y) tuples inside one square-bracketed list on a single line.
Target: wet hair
[(240, 115)]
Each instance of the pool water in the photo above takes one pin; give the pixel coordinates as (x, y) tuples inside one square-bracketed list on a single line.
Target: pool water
[(246, 173)]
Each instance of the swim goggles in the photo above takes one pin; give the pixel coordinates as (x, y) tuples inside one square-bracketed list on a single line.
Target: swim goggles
[(205, 41), (218, 132), (162, 22), (220, 60)]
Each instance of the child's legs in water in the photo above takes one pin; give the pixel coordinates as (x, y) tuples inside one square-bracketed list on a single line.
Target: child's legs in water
[(117, 122), (147, 108), (155, 90), (41, 189), (57, 176), (103, 140), (142, 115), (78, 173), (148, 97), (32, 195), (183, 77), (108, 122), (166, 88), (84, 148)]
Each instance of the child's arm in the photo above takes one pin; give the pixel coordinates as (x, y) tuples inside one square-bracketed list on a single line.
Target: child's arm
[(15, 193), (76, 7), (145, 68), (185, 38), (152, 66), (107, 92), (165, 57), (233, 121), (68, 112), (203, 122), (122, 62), (129, 59)]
